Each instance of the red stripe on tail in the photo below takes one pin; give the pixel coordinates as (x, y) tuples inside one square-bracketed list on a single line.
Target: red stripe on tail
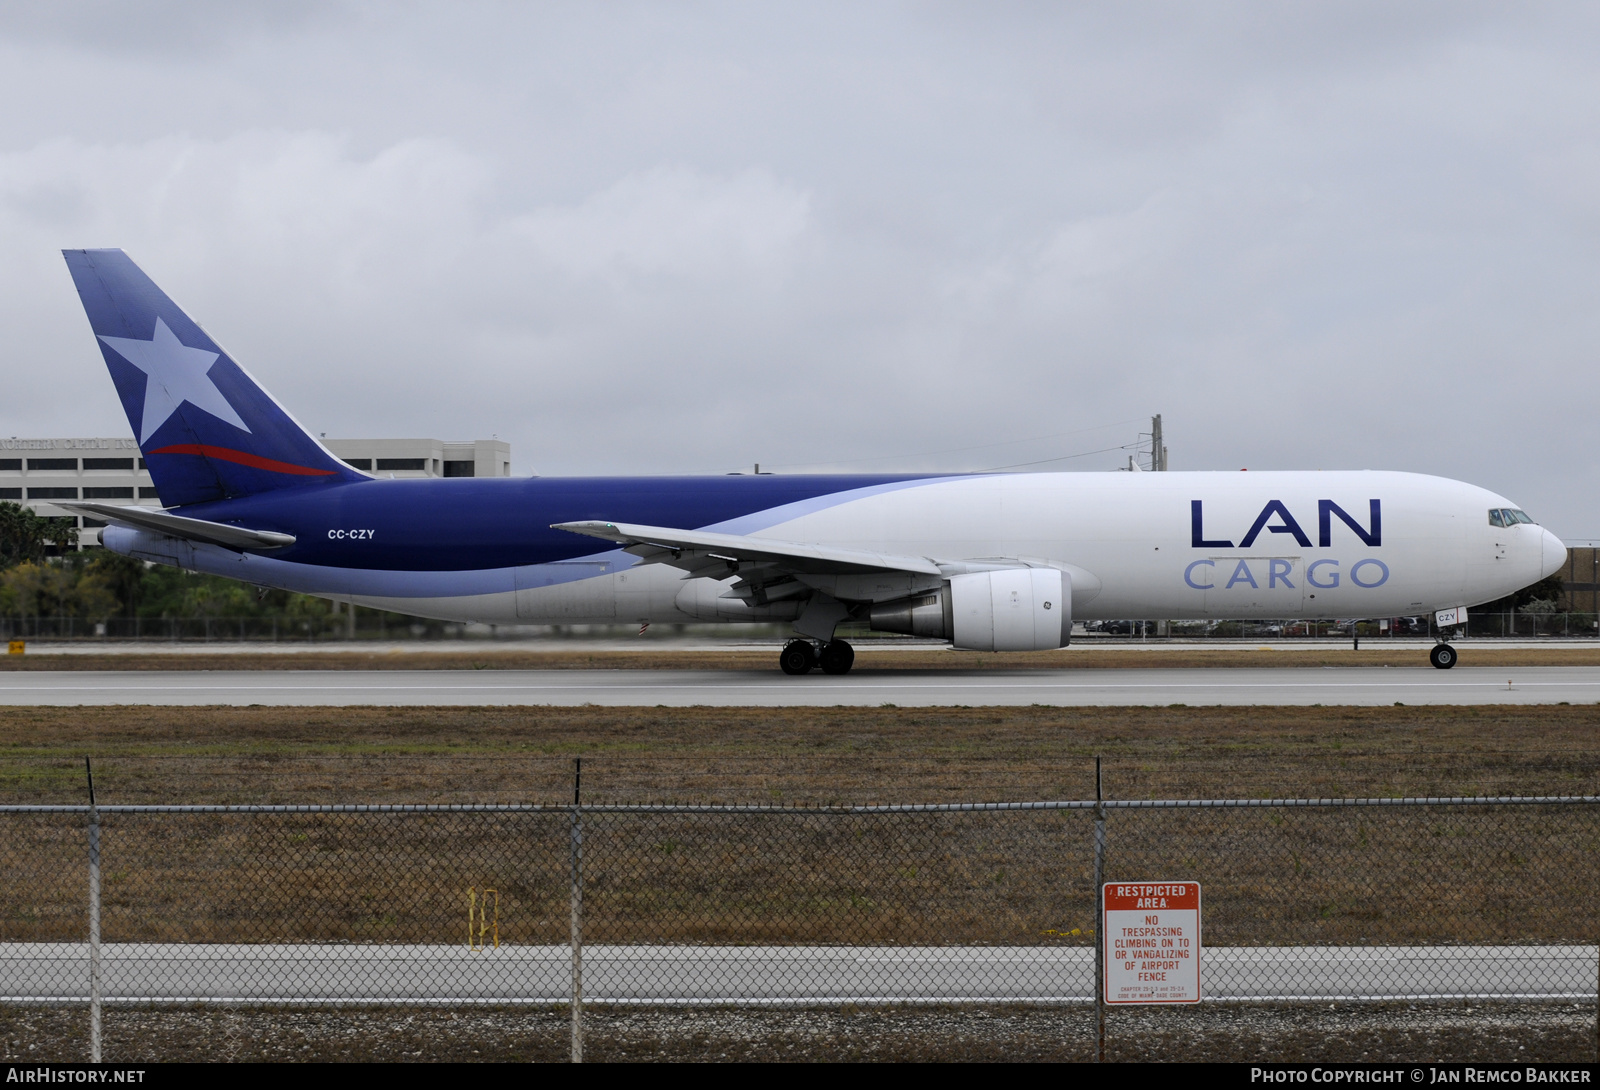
[(255, 461)]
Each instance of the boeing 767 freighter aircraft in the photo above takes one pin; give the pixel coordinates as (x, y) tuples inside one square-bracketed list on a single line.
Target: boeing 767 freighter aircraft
[(989, 562)]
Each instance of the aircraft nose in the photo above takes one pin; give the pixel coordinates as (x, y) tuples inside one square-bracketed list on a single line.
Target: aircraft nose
[(1555, 554)]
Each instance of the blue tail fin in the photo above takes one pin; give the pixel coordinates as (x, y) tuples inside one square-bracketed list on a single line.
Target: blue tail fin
[(207, 429)]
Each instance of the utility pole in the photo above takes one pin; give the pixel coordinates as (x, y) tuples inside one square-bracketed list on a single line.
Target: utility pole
[(1158, 462)]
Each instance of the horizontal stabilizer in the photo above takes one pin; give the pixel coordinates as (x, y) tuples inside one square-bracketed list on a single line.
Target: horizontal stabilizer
[(689, 548), (163, 522)]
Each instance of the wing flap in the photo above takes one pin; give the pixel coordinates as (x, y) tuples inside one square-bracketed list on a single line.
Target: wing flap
[(164, 522), (701, 552)]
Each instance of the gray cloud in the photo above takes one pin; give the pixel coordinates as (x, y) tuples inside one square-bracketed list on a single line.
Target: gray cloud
[(649, 239)]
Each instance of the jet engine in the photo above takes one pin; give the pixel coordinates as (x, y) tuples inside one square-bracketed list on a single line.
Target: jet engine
[(1014, 609)]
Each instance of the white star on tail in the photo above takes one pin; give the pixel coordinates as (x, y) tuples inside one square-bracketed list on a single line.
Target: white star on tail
[(174, 373)]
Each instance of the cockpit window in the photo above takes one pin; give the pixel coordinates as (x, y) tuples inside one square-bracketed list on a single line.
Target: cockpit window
[(1520, 516), (1496, 518)]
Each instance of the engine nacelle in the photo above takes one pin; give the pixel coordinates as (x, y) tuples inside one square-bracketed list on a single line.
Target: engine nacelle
[(1015, 609)]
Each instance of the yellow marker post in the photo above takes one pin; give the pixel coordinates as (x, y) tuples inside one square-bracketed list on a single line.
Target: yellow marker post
[(483, 919), (16, 647)]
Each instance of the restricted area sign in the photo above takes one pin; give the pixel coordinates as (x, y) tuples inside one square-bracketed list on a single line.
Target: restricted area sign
[(1152, 942)]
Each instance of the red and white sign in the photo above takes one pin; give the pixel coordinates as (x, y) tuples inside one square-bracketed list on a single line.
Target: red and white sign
[(1152, 942)]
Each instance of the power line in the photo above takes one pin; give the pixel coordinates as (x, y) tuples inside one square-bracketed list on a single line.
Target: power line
[(979, 446), (1064, 457)]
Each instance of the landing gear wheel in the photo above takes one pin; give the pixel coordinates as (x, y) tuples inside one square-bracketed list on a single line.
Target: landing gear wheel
[(1442, 656), (797, 657), (837, 657)]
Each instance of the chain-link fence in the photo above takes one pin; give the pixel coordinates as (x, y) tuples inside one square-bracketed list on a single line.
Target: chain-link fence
[(313, 627), (951, 910), (1519, 626)]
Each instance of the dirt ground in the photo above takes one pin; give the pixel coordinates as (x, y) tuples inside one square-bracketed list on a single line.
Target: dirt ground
[(1377, 1032), (1336, 653)]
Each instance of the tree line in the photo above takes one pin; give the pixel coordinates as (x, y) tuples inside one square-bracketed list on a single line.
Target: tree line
[(43, 574)]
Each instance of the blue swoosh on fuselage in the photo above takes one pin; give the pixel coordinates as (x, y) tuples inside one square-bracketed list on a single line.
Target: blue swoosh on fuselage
[(472, 524)]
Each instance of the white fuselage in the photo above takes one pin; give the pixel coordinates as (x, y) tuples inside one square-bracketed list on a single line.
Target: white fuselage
[(1130, 541)]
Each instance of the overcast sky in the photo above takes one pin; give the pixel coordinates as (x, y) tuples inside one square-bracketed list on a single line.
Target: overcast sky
[(685, 238)]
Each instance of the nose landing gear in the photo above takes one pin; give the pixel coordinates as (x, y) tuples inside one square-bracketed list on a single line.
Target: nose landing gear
[(803, 656), (1443, 656)]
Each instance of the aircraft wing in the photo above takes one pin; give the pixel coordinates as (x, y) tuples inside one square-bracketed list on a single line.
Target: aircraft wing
[(703, 553), (164, 522)]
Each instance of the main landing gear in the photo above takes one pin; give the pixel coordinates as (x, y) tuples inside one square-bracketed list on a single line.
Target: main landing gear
[(803, 656), (1442, 656)]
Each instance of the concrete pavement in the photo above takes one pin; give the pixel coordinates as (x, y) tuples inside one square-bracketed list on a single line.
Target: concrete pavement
[(907, 688)]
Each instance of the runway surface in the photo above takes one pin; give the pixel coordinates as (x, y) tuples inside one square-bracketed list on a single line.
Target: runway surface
[(44, 972), (906, 688)]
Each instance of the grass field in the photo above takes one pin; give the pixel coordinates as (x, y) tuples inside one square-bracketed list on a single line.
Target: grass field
[(1305, 876), (796, 755)]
